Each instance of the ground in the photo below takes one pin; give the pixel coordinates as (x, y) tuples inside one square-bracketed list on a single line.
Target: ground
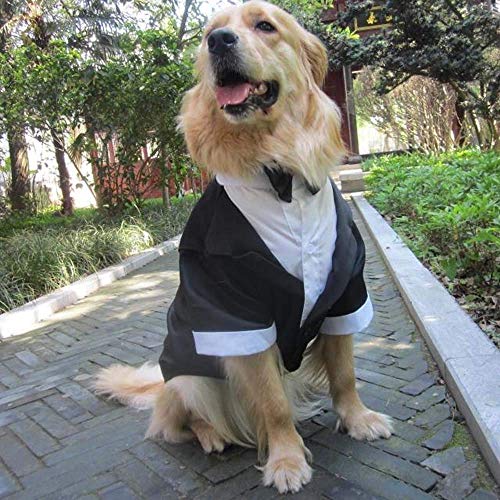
[(58, 440)]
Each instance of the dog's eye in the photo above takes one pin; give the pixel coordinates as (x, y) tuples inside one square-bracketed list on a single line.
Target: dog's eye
[(265, 26)]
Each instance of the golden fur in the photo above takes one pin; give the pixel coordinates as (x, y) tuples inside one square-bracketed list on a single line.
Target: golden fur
[(259, 403)]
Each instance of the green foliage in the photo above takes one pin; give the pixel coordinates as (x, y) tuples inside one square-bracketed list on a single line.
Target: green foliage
[(187, 19), (442, 39), (305, 9), (309, 14), (133, 99), (36, 263), (130, 99), (446, 209), (79, 69), (42, 88), (452, 200), (45, 252), (451, 41), (35, 86)]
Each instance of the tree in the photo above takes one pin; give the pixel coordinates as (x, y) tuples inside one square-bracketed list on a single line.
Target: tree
[(132, 102), (400, 113), (58, 82), (18, 149), (85, 24), (50, 79), (454, 42), (146, 77), (185, 17)]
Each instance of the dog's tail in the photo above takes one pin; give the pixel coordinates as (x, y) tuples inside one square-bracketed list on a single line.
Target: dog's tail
[(135, 387)]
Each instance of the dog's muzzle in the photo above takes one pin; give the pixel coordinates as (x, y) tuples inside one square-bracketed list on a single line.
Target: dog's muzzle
[(236, 92)]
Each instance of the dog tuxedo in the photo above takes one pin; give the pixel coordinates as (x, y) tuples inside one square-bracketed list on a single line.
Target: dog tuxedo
[(264, 260)]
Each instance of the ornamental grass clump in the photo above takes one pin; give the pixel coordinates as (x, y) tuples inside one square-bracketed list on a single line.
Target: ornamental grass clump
[(41, 253), (35, 263)]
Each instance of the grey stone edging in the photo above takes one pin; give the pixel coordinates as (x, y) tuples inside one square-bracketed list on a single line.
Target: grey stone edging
[(24, 318), (467, 359)]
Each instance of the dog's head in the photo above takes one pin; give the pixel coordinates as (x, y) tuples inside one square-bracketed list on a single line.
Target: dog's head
[(255, 57), (259, 98)]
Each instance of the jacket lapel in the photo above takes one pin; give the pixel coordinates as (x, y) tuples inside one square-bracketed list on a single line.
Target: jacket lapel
[(343, 260)]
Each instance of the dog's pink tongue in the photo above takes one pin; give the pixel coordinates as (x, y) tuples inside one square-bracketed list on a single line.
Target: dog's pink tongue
[(235, 94)]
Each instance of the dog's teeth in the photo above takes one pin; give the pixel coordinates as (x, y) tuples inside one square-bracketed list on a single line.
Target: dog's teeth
[(261, 89)]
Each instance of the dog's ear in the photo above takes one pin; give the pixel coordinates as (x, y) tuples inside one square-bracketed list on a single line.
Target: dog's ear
[(316, 56)]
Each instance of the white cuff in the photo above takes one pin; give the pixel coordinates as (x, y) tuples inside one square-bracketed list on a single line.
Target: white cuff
[(350, 323), (239, 343)]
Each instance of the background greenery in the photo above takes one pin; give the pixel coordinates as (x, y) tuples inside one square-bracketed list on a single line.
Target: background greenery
[(42, 253), (453, 43), (446, 208), (80, 75)]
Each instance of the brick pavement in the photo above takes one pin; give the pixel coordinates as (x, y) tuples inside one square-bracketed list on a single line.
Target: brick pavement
[(58, 440)]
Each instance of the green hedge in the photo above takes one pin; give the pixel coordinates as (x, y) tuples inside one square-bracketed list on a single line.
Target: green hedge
[(42, 253), (447, 209)]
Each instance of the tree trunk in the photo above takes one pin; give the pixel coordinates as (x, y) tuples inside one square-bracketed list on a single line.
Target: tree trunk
[(19, 165), (95, 162), (64, 178), (184, 20), (457, 124), (165, 194), (165, 167), (475, 128)]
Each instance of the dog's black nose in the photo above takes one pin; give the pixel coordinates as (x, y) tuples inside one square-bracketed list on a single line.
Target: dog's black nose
[(221, 40)]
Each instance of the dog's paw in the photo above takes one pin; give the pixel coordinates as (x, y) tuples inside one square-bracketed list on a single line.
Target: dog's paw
[(366, 425), (208, 437), (170, 434), (287, 474)]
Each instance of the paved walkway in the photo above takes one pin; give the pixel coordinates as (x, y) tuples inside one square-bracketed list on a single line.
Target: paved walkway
[(58, 440)]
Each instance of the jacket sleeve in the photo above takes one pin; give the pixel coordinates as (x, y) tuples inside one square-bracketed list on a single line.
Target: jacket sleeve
[(223, 317)]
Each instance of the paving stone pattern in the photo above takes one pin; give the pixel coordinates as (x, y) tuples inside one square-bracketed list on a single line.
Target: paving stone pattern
[(58, 440)]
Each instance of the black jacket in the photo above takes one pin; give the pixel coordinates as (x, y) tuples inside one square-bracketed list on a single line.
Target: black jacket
[(230, 281)]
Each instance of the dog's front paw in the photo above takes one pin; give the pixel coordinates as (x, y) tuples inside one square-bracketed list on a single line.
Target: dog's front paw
[(211, 441), (366, 424), (287, 474)]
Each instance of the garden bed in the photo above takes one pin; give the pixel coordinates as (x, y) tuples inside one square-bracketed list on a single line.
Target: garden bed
[(45, 252), (446, 208)]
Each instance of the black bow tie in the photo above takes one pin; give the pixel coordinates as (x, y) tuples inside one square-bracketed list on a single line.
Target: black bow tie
[(282, 183)]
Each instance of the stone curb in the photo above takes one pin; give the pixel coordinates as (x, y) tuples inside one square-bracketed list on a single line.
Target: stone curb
[(468, 361), (24, 318), (352, 180)]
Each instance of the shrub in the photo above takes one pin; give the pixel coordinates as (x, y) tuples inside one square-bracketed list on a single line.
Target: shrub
[(446, 208)]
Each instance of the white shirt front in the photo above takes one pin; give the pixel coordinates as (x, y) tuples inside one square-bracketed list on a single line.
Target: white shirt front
[(300, 234)]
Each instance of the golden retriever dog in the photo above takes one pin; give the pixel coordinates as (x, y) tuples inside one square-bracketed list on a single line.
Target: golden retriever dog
[(261, 105)]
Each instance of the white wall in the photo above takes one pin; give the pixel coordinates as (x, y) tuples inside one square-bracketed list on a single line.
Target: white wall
[(372, 141), (43, 169)]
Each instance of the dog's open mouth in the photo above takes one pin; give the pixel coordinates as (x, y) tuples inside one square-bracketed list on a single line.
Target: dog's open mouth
[(237, 94)]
